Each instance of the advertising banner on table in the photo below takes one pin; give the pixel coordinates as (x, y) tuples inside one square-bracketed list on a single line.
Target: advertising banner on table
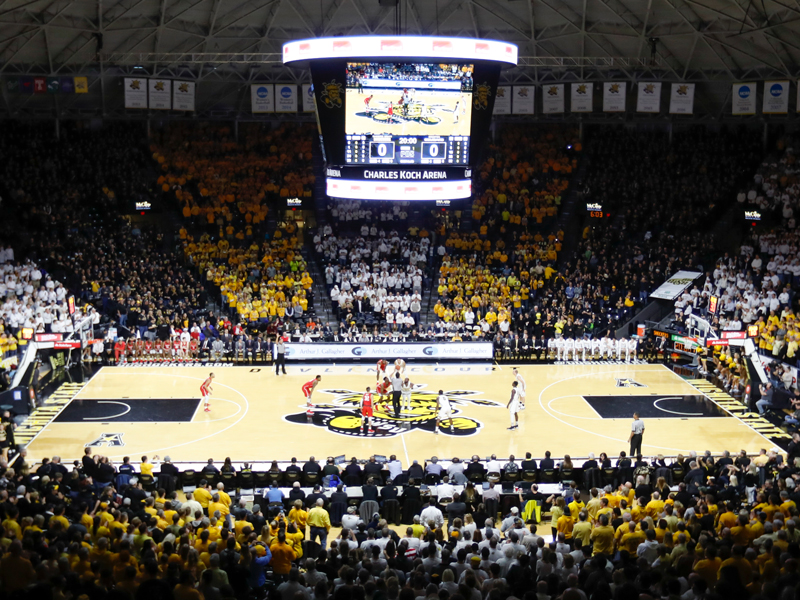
[(672, 287), (416, 351), (581, 97), (135, 93), (502, 101), (553, 98), (262, 98), (160, 94), (183, 95), (523, 100), (308, 98), (743, 99), (649, 98), (285, 98), (681, 99), (614, 96), (776, 98)]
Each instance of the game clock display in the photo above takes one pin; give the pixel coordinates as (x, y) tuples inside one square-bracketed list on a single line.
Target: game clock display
[(411, 150)]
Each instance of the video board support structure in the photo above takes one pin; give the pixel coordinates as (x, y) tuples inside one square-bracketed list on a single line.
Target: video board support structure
[(402, 117)]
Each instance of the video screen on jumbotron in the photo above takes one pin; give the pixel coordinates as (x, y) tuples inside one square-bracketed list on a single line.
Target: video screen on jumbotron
[(408, 113)]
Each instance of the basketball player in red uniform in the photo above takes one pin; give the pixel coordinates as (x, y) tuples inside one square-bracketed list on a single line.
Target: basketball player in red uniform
[(383, 389), (366, 411), (205, 392), (381, 370), (308, 388)]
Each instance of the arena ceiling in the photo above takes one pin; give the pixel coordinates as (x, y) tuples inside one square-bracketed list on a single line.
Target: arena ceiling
[(226, 44)]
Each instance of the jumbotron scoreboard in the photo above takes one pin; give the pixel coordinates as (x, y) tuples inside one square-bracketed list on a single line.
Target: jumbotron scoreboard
[(402, 117)]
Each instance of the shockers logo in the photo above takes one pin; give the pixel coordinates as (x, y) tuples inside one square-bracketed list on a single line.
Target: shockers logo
[(343, 414)]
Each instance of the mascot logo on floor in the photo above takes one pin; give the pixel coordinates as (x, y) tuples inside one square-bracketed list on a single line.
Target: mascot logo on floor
[(343, 414)]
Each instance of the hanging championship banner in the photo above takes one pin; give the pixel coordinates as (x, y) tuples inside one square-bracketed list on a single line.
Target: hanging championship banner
[(649, 98), (39, 85), (681, 99), (183, 95), (81, 85), (743, 99), (614, 96), (262, 98), (523, 100), (776, 98), (285, 98), (308, 98), (502, 101), (160, 94), (581, 97), (553, 98), (135, 93)]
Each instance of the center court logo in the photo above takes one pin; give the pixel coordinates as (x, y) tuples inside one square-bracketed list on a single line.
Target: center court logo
[(343, 414)]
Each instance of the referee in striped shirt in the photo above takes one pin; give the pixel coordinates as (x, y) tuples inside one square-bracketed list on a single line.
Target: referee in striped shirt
[(635, 439)]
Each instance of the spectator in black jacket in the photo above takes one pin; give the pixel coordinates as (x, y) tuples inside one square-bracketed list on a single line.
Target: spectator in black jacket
[(547, 464)]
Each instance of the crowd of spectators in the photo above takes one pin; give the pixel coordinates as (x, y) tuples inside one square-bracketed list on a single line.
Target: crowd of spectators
[(620, 259), (697, 526)]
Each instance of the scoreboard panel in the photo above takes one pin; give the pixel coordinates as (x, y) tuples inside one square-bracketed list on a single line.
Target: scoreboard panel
[(406, 150)]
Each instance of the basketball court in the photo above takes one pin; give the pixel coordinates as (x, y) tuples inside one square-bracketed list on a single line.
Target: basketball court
[(431, 113), (256, 416)]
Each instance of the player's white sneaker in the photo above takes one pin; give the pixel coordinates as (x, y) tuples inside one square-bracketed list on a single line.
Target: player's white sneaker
[(436, 431)]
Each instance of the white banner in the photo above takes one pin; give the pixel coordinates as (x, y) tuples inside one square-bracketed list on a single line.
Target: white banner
[(681, 99), (308, 98), (614, 96), (581, 98), (776, 98), (523, 100), (418, 350), (285, 98), (743, 99), (262, 98), (135, 93), (649, 98), (160, 93), (183, 95), (553, 98), (672, 287), (502, 101)]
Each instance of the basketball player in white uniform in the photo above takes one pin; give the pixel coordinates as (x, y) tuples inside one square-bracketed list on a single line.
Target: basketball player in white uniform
[(513, 406), (596, 347), (585, 345), (520, 388), (444, 412), (551, 347), (399, 367), (630, 351), (559, 348), (621, 345), (405, 390), (569, 349)]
